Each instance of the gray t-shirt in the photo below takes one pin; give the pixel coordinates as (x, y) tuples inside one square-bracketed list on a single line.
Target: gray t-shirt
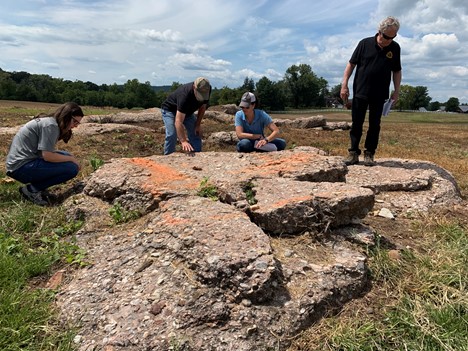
[(39, 134)]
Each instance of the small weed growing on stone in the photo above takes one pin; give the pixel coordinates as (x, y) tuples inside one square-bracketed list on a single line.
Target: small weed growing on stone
[(250, 193), (207, 190), (121, 215), (177, 344), (96, 162)]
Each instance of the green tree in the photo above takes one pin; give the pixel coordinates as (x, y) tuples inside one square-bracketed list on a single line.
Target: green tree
[(130, 95), (95, 98), (270, 95), (76, 91), (7, 87), (407, 94), (412, 98), (91, 86), (305, 88), (20, 77), (229, 96), (335, 92), (322, 92), (174, 86), (139, 94), (421, 98), (26, 92), (161, 95), (214, 97), (146, 97), (48, 89), (452, 105), (114, 96), (300, 88), (434, 106), (249, 85)]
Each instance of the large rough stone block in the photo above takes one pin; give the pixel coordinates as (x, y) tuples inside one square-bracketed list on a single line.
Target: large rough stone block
[(220, 244), (288, 206), (207, 274)]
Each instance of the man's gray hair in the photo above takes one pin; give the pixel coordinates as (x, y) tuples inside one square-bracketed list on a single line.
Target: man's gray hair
[(389, 22)]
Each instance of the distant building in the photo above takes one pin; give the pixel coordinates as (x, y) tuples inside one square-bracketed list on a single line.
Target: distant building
[(463, 109), (333, 102)]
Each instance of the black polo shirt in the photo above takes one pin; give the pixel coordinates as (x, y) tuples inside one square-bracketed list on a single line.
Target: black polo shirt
[(183, 99), (374, 67)]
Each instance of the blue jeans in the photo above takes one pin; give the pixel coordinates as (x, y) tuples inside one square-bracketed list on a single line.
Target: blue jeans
[(171, 133), (42, 174), (247, 145)]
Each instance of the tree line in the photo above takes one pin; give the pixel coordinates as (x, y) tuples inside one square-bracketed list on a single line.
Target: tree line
[(300, 88)]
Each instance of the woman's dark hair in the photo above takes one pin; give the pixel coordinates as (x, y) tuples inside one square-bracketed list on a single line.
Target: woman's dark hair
[(63, 115)]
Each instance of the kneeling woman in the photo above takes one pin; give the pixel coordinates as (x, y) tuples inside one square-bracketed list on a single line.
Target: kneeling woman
[(33, 160), (250, 125)]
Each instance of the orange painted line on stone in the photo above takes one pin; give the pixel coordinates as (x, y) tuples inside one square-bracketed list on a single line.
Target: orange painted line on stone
[(292, 200), (164, 177), (169, 219), (225, 217), (290, 163)]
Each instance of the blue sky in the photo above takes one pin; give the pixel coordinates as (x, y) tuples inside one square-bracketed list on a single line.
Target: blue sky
[(162, 41)]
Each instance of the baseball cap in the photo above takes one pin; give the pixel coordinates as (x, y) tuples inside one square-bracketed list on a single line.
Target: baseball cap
[(202, 88), (247, 99)]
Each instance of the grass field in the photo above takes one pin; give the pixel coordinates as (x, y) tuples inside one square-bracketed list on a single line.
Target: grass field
[(418, 301)]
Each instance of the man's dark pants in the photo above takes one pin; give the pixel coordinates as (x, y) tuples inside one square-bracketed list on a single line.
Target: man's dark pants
[(358, 115)]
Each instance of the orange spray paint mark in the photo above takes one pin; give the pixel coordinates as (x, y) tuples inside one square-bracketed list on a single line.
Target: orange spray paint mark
[(163, 177)]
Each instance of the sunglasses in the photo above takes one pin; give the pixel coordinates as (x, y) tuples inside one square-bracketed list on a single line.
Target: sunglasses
[(75, 121), (386, 37)]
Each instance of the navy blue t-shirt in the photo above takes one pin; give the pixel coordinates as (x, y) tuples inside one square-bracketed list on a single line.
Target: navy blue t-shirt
[(183, 99), (374, 67)]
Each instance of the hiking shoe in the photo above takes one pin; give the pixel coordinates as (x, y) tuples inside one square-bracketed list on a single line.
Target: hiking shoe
[(369, 158), (49, 197), (352, 159), (35, 198)]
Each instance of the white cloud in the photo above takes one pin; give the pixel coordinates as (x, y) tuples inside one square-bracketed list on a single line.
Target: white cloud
[(198, 62), (164, 41), (153, 35), (460, 71)]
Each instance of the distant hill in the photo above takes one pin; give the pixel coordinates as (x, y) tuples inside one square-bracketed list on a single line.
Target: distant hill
[(161, 88)]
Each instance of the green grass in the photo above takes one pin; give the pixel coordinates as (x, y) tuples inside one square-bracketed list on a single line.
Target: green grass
[(33, 240), (20, 111), (19, 108), (426, 300), (426, 117), (394, 116)]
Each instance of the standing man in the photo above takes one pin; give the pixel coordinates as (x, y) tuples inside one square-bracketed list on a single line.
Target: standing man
[(178, 112), (377, 59)]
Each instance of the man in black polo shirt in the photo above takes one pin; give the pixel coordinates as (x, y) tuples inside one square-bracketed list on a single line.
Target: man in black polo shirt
[(178, 112), (377, 61)]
